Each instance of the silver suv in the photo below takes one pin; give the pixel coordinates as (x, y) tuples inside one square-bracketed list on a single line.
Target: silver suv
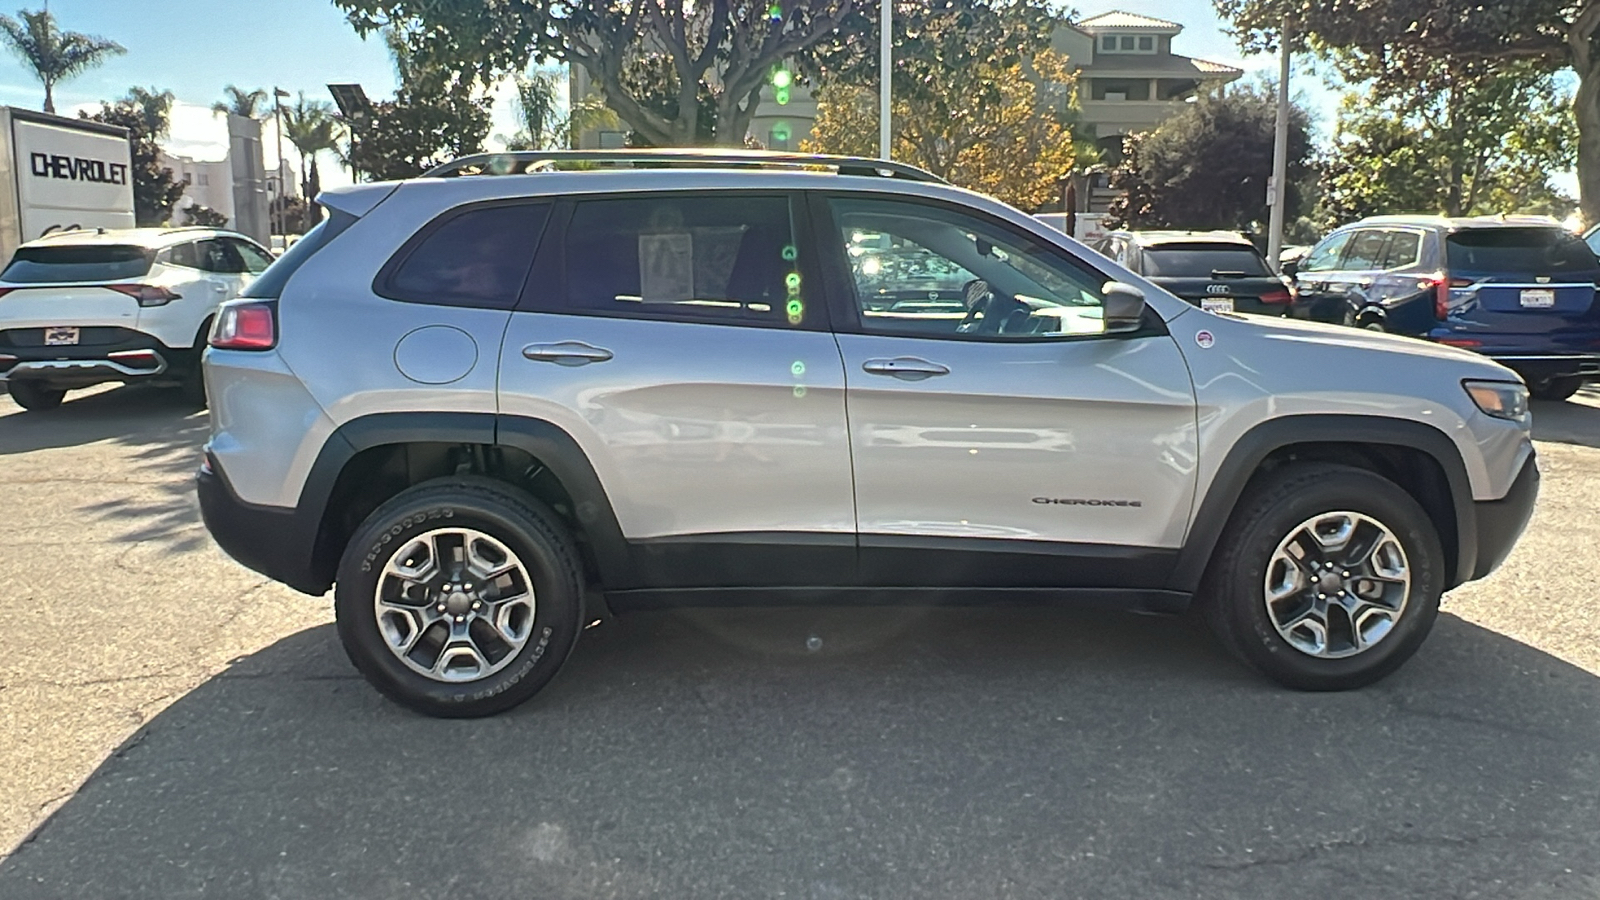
[(478, 401)]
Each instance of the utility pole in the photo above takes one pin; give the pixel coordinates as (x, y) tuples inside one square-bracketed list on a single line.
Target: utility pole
[(885, 71), (1277, 189), (277, 115)]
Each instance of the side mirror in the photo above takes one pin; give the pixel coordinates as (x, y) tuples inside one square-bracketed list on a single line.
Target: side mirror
[(1124, 307), (1289, 267)]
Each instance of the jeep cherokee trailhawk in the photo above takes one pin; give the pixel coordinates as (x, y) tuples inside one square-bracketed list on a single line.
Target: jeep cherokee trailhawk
[(473, 401)]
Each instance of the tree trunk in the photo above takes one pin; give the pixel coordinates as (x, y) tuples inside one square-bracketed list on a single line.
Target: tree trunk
[(49, 97), (1586, 108)]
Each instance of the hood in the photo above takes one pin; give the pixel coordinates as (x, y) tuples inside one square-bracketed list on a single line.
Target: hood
[(1315, 338)]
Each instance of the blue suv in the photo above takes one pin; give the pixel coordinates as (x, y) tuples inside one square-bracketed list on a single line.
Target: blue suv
[(1520, 290)]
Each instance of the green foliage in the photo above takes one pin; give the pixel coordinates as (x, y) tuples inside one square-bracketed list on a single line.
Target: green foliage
[(439, 112), (51, 54), (239, 102), (725, 48), (1462, 140), (144, 114), (203, 216), (1207, 166)]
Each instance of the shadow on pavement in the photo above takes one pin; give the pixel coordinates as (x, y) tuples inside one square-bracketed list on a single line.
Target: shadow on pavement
[(917, 753), (153, 420), (1575, 421)]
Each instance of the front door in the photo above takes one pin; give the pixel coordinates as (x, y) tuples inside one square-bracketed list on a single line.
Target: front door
[(1000, 439)]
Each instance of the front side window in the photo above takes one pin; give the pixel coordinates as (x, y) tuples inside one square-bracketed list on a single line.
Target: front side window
[(478, 257), (255, 259), (718, 258), (1325, 256), (931, 271), (219, 256)]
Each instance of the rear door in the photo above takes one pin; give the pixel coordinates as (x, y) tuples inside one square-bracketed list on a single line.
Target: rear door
[(674, 336), (1017, 446), (56, 296), (1524, 289), (1223, 277)]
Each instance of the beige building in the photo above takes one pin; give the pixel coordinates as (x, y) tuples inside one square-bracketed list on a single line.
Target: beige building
[(1128, 77)]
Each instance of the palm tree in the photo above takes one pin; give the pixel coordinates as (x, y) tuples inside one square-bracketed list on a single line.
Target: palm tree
[(310, 126), (238, 102), (155, 109), (53, 55)]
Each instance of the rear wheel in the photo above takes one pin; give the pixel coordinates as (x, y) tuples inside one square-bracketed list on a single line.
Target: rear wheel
[(1556, 388), (1327, 577), (460, 597), (33, 395)]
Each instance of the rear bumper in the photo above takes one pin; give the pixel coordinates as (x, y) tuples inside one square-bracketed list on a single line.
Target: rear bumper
[(1500, 522), (133, 357), (271, 540), (1534, 367)]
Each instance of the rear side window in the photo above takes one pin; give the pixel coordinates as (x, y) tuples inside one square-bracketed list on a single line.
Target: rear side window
[(1534, 251), (270, 285), (1366, 251), (1404, 249), (83, 262), (477, 257), (717, 258), (1202, 260)]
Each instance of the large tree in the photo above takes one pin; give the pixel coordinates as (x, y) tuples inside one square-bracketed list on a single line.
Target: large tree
[(725, 49), (51, 54), (144, 113), (237, 101), (310, 127), (438, 113), (1392, 41), (1464, 140), (1207, 165)]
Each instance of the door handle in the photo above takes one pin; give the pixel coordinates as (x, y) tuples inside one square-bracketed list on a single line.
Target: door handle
[(908, 368), (567, 353)]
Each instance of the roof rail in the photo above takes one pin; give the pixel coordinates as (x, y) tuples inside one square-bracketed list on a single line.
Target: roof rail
[(522, 162)]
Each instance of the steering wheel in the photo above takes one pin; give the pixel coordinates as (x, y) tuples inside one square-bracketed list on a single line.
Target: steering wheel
[(980, 299)]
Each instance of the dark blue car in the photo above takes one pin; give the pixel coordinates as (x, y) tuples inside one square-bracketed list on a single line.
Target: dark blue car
[(1520, 290)]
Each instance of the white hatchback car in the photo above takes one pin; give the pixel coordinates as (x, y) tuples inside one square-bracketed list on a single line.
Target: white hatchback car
[(79, 308)]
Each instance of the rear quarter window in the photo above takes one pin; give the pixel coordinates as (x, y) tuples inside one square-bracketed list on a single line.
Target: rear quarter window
[(474, 257), (1534, 251), (82, 262)]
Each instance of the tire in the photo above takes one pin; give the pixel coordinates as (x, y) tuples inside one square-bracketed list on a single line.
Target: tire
[(434, 520), (1373, 325), (36, 397), (1556, 389), (1274, 510)]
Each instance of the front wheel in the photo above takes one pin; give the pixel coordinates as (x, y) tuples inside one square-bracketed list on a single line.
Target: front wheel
[(1327, 577), (34, 396), (1556, 388), (460, 597)]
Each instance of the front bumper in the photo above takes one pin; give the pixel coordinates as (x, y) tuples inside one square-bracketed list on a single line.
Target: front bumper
[(271, 540), (1500, 522)]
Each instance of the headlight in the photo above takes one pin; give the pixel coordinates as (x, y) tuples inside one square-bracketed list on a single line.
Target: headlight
[(1500, 399)]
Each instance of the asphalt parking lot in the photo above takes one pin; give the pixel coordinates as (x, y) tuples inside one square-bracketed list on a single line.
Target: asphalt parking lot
[(175, 726)]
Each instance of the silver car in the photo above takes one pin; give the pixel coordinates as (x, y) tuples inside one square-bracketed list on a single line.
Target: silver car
[(475, 404)]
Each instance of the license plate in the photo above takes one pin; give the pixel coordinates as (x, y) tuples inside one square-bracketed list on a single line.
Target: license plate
[(1217, 304), (60, 336), (1538, 298)]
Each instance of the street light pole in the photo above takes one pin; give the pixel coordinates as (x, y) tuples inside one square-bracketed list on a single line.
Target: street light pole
[(277, 114), (885, 70), (1278, 192)]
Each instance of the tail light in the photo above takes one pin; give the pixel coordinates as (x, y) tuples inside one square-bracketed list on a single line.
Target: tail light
[(1466, 343), (146, 294), (245, 326), (1441, 284), (1283, 296)]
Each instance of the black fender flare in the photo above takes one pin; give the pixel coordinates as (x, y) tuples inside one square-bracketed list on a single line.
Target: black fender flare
[(544, 440), (1244, 458)]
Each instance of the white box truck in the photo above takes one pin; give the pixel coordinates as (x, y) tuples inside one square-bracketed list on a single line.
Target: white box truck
[(60, 174)]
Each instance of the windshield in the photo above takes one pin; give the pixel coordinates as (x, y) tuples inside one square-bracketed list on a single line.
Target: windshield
[(1542, 251), (1201, 260), (82, 262)]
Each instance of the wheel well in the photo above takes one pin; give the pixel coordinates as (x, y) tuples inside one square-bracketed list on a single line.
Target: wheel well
[(377, 474), (1415, 471)]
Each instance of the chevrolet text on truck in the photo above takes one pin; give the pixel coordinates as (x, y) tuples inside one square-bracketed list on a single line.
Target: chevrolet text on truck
[(60, 174)]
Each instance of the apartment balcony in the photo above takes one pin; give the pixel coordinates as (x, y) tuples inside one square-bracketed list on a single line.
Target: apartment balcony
[(1121, 116)]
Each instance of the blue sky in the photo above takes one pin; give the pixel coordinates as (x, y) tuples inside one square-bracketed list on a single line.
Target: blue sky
[(195, 47)]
